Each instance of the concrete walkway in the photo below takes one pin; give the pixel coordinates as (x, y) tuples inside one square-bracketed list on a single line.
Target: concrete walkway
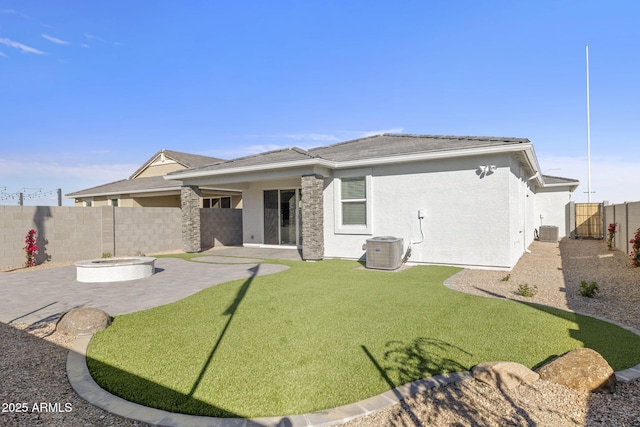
[(44, 295)]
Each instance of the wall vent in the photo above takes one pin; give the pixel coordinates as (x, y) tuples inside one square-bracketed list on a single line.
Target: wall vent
[(384, 252)]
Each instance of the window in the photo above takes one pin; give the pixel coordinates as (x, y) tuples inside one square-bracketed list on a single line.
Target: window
[(87, 203), (217, 202), (113, 202), (354, 201)]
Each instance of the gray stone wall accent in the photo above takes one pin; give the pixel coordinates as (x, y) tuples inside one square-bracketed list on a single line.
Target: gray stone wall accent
[(312, 218), (190, 205), (220, 227)]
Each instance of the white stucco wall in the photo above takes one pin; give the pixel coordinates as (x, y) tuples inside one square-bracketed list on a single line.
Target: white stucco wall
[(253, 207), (467, 216), (523, 212), (470, 220), (551, 208)]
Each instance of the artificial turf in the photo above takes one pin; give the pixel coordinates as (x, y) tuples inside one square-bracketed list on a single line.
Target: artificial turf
[(325, 334)]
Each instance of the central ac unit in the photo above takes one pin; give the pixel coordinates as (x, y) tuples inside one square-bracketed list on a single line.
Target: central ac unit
[(384, 253)]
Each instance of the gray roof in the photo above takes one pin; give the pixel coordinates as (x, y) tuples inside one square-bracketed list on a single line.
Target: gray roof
[(127, 186), (548, 179), (385, 145), (185, 159), (269, 157), (139, 185)]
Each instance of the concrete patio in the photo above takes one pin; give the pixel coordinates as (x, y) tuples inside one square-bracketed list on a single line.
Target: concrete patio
[(44, 295)]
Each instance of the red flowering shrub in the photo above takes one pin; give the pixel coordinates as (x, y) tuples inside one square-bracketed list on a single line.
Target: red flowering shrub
[(612, 234), (31, 248), (635, 249)]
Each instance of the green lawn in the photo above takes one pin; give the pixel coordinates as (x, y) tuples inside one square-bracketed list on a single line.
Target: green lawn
[(325, 334)]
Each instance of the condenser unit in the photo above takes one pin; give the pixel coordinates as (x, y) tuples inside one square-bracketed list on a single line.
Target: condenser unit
[(548, 233), (384, 253)]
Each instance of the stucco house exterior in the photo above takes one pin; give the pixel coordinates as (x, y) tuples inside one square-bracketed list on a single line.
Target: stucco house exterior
[(146, 187), (481, 199)]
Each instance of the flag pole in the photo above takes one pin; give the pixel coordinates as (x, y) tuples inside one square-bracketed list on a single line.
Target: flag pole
[(588, 133)]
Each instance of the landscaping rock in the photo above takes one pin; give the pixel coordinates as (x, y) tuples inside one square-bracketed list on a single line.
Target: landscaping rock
[(580, 369), (80, 321), (504, 375)]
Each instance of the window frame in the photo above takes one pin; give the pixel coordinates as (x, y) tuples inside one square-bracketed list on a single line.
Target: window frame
[(218, 203), (339, 227)]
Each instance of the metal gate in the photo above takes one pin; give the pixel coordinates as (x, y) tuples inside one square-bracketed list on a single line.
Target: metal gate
[(589, 220)]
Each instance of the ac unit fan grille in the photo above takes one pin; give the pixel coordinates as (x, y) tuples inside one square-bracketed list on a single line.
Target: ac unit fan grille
[(384, 253)]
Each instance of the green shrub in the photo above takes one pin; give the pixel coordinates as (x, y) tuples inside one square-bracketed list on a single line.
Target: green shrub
[(526, 290), (506, 278), (106, 255), (588, 290)]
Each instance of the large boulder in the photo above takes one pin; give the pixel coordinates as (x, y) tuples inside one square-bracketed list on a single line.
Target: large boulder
[(504, 375), (81, 321), (580, 369)]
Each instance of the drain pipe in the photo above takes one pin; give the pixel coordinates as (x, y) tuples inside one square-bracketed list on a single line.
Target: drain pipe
[(524, 229), (407, 254)]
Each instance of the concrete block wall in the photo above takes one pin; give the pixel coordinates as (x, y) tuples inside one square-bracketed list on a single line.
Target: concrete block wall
[(63, 233), (146, 230), (66, 234), (626, 216), (220, 227)]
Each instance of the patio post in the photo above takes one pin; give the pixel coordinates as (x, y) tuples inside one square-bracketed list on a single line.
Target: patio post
[(190, 205), (312, 217)]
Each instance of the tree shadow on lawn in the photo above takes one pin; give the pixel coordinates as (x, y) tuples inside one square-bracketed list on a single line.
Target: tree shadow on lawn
[(121, 382), (406, 363)]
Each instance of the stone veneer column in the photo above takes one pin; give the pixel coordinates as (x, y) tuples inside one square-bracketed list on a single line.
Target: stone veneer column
[(312, 217), (190, 204)]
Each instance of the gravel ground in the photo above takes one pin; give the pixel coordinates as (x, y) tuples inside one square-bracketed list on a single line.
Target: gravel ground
[(33, 357)]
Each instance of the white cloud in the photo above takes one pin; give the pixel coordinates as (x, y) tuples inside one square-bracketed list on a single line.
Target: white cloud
[(310, 137), (93, 37), (54, 39), (364, 134), (245, 151), (14, 12), (4, 55), (86, 46), (22, 47), (15, 169)]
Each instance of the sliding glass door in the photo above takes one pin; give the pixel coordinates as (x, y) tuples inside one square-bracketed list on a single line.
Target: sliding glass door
[(282, 217)]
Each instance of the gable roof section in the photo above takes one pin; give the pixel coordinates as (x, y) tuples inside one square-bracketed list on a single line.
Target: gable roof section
[(150, 184), (185, 159), (385, 148)]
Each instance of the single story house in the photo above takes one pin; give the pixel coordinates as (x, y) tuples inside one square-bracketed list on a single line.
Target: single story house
[(146, 187), (466, 201)]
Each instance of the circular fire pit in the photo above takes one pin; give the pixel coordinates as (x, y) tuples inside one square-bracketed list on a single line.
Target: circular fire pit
[(115, 269)]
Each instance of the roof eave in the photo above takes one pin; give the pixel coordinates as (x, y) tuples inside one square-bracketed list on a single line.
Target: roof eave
[(527, 148), (181, 175), (116, 193)]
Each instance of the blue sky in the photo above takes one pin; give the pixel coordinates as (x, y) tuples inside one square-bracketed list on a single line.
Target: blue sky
[(91, 90)]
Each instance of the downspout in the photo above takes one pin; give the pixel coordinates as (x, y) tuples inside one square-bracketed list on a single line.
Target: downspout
[(524, 232)]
